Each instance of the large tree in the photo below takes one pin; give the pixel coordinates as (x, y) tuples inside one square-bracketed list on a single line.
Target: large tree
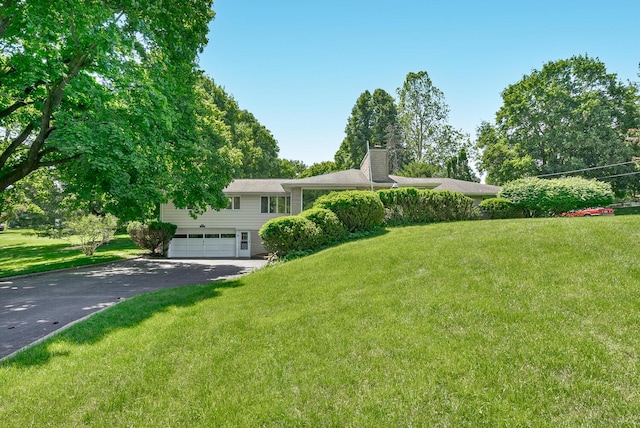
[(105, 92), (253, 147), (570, 115), (423, 115), (372, 123)]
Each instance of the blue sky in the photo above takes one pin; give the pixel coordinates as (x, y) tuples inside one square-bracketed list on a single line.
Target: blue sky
[(299, 66)]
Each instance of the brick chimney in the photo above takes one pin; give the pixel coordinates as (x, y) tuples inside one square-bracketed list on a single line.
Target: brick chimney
[(376, 162)]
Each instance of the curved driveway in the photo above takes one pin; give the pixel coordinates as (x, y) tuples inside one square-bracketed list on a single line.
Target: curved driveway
[(33, 307)]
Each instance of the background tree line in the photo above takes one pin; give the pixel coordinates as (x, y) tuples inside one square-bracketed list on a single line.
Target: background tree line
[(414, 128)]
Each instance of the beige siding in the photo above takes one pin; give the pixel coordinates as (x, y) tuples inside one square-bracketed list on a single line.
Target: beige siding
[(248, 217), (256, 244), (296, 200)]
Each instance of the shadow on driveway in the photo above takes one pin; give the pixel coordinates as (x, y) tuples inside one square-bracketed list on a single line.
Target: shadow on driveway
[(31, 308)]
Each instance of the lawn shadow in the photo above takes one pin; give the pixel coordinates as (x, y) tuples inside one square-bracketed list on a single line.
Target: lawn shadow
[(124, 315)]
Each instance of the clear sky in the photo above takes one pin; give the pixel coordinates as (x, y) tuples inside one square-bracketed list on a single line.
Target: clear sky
[(299, 66)]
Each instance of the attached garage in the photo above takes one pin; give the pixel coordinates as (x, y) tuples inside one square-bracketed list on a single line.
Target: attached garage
[(200, 244)]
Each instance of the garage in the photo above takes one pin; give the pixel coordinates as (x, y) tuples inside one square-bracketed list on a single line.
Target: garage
[(199, 244)]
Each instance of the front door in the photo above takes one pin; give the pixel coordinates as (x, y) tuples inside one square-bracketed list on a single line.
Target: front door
[(244, 244)]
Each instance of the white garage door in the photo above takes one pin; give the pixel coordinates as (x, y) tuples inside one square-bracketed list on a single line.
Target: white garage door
[(203, 245)]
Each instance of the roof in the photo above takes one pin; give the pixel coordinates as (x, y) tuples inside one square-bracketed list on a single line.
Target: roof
[(469, 188), (256, 186), (338, 180), (354, 178)]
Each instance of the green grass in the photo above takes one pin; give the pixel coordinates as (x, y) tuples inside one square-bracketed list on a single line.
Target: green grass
[(23, 252), (530, 322)]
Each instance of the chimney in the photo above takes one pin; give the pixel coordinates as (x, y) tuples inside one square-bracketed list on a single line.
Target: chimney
[(376, 163)]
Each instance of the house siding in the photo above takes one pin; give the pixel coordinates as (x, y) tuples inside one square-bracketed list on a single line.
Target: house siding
[(247, 218)]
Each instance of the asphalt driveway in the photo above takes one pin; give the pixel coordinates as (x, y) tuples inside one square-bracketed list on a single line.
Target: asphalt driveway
[(35, 306)]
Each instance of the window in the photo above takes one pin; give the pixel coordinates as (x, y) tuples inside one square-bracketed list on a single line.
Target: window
[(234, 203), (275, 204)]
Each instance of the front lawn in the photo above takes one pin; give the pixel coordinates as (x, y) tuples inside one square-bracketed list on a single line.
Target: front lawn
[(530, 322), (22, 252)]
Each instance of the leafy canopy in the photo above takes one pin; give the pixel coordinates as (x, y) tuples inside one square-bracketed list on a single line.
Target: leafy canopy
[(570, 115), (105, 92)]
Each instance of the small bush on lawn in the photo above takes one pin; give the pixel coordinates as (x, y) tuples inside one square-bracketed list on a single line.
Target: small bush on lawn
[(330, 225), (283, 235), (500, 208), (92, 231), (357, 210), (409, 206), (540, 197), (154, 236)]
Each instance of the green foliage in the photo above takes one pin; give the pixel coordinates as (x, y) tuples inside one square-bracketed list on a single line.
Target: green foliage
[(540, 197), (458, 168), (291, 168), (570, 115), (500, 208), (331, 227), (154, 236), (373, 121), (283, 235), (627, 210), (93, 231), (250, 144), (421, 170), (357, 210), (408, 205), (106, 93), (320, 168)]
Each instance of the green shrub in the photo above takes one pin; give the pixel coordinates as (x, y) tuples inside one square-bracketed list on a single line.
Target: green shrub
[(500, 208), (92, 231), (330, 225), (358, 210), (410, 205), (154, 236), (540, 197), (283, 235)]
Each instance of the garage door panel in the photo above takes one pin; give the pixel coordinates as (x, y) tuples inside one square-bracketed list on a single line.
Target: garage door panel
[(204, 245)]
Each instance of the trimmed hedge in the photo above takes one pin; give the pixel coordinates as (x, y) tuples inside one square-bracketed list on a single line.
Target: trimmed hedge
[(154, 236), (283, 235), (332, 228), (500, 208), (540, 197), (358, 210), (410, 205)]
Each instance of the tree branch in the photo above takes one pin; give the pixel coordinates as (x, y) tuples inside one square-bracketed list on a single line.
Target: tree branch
[(15, 144), (59, 161), (17, 105)]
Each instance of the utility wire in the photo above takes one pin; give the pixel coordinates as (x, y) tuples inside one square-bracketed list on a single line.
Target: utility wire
[(618, 175), (584, 169)]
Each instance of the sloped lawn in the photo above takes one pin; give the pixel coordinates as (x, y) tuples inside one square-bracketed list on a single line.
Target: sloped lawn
[(494, 323)]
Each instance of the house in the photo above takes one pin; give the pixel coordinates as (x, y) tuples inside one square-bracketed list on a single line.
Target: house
[(233, 232)]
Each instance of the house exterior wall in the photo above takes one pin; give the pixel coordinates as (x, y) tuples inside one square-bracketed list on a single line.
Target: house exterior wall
[(247, 218), (296, 200)]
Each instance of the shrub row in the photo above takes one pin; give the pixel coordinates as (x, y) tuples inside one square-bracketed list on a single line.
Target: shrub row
[(409, 205), (539, 197), (336, 215), (498, 208), (330, 220)]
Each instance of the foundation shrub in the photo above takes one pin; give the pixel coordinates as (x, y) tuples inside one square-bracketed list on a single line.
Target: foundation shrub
[(358, 210), (332, 229), (284, 235)]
